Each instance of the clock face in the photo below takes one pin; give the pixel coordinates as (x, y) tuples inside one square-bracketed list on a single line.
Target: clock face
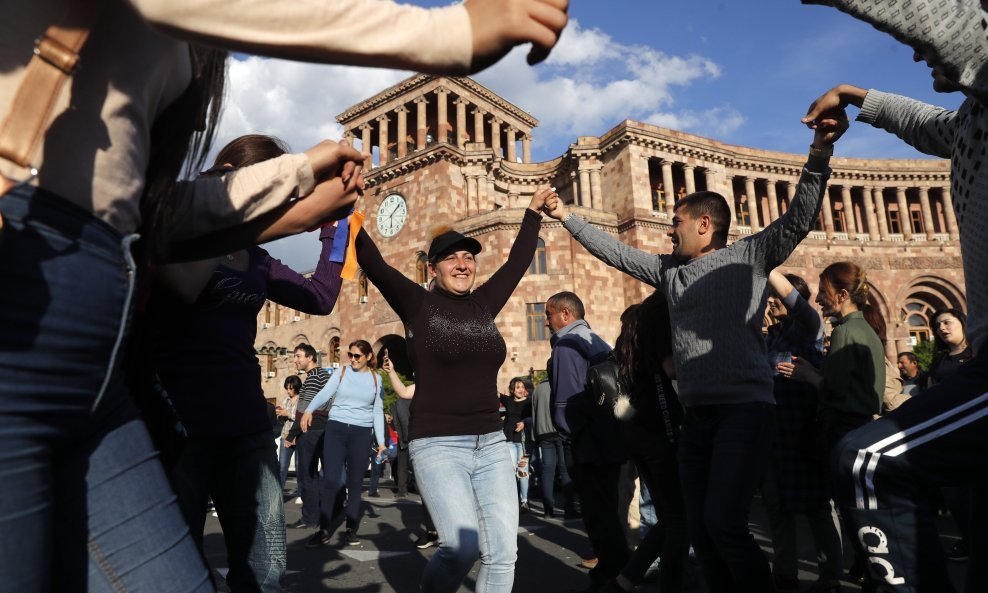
[(391, 215)]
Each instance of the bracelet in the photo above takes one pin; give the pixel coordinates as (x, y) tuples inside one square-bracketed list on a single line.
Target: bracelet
[(568, 216), (822, 152)]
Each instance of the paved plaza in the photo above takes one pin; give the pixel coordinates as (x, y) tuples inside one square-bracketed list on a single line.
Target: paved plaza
[(549, 552)]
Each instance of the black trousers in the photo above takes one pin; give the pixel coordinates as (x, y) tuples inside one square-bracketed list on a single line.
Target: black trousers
[(887, 470), (597, 485), (308, 450), (400, 471)]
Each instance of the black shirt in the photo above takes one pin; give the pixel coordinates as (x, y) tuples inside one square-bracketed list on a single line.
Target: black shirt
[(514, 412)]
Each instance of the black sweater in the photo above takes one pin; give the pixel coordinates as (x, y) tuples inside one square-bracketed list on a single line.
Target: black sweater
[(453, 343)]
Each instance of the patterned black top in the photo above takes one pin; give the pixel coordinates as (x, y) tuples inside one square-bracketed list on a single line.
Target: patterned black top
[(453, 344)]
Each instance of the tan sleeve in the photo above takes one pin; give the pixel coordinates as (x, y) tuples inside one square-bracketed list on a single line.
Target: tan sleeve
[(356, 32), (208, 204)]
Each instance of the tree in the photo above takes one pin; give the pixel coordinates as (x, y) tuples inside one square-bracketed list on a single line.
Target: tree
[(924, 353)]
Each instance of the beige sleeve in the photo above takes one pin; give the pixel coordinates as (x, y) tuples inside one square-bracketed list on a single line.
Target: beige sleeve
[(209, 204), (356, 32)]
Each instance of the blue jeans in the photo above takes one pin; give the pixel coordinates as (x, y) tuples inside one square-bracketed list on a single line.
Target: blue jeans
[(551, 451), (468, 484), (240, 474), (723, 450), (308, 449), (344, 455), (86, 506), (517, 452), (285, 461)]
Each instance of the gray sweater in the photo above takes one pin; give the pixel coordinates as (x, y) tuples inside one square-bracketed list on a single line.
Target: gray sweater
[(954, 37), (717, 302), (542, 411)]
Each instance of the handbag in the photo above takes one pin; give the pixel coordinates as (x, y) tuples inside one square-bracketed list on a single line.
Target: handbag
[(56, 56)]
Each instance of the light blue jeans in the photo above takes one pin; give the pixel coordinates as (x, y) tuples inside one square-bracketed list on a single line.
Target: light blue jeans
[(468, 485), (517, 452)]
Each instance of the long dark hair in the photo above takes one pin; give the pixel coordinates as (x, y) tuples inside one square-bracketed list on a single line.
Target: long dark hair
[(524, 381), (365, 347), (940, 348), (845, 275), (646, 339), (249, 150), (183, 133)]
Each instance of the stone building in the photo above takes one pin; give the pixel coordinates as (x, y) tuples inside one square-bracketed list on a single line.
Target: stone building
[(445, 151)]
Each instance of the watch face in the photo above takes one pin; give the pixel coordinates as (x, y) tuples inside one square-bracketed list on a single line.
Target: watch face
[(391, 215)]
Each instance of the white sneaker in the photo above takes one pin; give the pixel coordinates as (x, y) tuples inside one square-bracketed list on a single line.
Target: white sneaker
[(298, 500)]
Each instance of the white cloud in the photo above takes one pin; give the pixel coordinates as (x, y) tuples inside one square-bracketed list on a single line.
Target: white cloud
[(718, 122)]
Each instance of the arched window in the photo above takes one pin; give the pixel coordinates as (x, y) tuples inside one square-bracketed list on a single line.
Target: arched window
[(334, 352), (538, 265), (421, 269), (362, 287)]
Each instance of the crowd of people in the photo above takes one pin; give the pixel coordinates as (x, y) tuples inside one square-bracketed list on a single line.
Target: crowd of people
[(120, 352)]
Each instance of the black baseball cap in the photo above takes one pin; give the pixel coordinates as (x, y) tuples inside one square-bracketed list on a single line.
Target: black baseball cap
[(451, 241)]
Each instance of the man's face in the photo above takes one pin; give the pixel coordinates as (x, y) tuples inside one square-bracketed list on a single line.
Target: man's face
[(300, 360), (556, 319), (941, 83), (686, 239), (907, 368)]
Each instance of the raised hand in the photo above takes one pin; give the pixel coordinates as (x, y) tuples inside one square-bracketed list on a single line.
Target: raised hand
[(499, 25), (829, 126), (836, 98), (554, 207), (540, 197)]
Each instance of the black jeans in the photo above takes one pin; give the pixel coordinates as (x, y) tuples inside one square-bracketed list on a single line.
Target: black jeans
[(598, 489), (887, 469), (308, 449), (723, 450)]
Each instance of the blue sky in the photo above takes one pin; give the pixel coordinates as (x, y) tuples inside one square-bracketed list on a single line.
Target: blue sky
[(739, 72)]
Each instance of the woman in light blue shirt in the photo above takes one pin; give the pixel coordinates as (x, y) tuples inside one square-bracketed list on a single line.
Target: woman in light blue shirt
[(357, 407)]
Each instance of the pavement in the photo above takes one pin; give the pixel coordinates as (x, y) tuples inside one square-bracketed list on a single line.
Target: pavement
[(549, 552)]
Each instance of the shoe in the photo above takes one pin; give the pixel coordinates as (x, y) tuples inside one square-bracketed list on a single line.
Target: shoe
[(318, 539), (957, 552), (300, 524), (548, 514), (785, 583), (524, 508), (350, 538), (588, 563), (427, 540), (374, 494)]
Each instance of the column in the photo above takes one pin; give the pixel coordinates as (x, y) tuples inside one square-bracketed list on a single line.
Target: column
[(512, 144), (461, 122), (828, 209), (496, 136), (845, 197), (948, 213), (478, 124), (881, 212), (526, 148), (924, 205), (472, 195), (710, 177), (483, 196), (596, 192), (402, 113), (904, 223), (668, 186), (688, 173), (869, 208), (421, 123), (576, 188), (382, 140), (754, 207), (585, 199), (773, 200), (348, 136), (365, 144), (442, 121)]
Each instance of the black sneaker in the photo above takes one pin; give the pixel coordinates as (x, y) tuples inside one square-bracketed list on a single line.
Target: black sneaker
[(318, 539), (350, 538), (300, 524), (427, 540), (958, 552)]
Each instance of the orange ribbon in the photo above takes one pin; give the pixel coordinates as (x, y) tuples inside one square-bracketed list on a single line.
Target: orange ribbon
[(355, 221)]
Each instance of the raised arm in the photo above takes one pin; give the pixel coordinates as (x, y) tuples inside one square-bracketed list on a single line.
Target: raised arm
[(404, 296), (950, 36), (799, 309), (449, 40), (401, 390), (316, 294)]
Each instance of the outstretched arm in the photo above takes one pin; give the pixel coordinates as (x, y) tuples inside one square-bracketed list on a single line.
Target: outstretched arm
[(404, 296), (315, 294)]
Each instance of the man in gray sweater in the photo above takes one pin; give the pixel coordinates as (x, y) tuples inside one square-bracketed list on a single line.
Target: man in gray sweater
[(886, 468), (717, 296)]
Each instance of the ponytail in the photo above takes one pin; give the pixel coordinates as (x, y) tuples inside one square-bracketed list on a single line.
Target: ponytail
[(852, 278)]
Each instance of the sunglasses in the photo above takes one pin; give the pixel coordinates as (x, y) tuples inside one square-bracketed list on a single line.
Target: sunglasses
[(353, 356)]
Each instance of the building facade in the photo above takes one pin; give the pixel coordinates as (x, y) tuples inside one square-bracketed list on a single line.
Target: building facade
[(447, 152)]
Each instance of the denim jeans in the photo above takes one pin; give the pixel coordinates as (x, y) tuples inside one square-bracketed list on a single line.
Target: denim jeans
[(285, 455), (723, 450), (240, 474), (517, 452), (308, 450), (551, 452), (344, 461), (86, 505), (468, 484)]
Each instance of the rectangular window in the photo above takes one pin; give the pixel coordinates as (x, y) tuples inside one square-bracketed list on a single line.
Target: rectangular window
[(895, 226), (839, 221), (917, 221), (535, 317)]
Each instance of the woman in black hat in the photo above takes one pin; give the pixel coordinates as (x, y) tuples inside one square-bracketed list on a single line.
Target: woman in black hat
[(463, 464)]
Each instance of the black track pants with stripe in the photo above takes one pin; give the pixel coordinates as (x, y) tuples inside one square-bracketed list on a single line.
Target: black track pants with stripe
[(886, 470)]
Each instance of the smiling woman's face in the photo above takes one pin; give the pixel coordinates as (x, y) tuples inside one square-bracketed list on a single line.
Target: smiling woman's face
[(456, 272)]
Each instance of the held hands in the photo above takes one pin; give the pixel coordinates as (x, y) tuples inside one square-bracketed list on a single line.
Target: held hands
[(306, 421), (539, 199), (826, 114), (338, 169), (499, 25), (554, 206)]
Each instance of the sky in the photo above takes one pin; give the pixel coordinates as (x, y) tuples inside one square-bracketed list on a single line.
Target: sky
[(738, 72)]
